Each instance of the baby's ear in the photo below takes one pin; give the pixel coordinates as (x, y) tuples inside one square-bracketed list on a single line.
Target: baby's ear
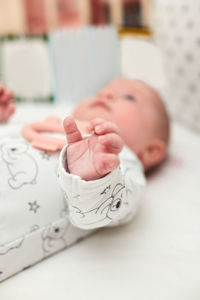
[(153, 154)]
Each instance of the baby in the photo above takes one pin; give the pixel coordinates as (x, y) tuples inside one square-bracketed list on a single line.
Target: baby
[(103, 179), (102, 174)]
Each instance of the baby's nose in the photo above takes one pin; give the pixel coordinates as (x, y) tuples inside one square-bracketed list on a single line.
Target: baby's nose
[(107, 96)]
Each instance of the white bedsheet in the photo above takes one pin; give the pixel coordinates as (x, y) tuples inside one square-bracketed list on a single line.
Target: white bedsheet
[(154, 257)]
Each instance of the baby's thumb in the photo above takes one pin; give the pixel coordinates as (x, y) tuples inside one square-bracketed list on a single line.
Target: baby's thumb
[(72, 132)]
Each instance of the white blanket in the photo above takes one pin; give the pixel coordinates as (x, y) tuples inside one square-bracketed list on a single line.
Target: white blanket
[(154, 257)]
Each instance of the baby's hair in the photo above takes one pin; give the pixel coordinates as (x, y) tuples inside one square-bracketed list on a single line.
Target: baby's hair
[(162, 120)]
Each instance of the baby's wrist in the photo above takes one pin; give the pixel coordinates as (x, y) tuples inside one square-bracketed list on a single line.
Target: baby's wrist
[(87, 176)]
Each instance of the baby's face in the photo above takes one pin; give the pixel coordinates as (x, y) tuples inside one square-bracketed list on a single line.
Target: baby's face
[(129, 104)]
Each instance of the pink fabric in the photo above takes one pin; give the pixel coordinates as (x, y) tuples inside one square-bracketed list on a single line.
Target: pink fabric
[(33, 133), (35, 16), (68, 13)]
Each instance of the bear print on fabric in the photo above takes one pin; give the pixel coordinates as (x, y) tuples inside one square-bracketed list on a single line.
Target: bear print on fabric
[(54, 238), (21, 165)]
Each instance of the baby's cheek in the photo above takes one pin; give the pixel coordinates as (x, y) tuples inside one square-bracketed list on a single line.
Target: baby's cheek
[(132, 132), (81, 109)]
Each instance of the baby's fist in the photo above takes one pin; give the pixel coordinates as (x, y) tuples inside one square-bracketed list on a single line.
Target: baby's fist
[(7, 107)]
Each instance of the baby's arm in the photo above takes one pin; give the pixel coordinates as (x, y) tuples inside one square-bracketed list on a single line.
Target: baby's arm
[(7, 107), (99, 193)]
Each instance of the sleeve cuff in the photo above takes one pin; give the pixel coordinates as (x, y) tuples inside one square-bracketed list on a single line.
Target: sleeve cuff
[(74, 185)]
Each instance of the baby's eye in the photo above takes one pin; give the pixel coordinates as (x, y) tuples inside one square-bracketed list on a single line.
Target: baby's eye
[(129, 97)]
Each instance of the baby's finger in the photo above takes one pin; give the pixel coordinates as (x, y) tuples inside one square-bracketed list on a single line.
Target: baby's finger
[(106, 127), (101, 126), (94, 123), (2, 88), (112, 142), (71, 130), (106, 163), (9, 94), (11, 108), (4, 113), (6, 96)]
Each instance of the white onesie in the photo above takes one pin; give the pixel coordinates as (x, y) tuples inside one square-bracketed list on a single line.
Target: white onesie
[(111, 200), (34, 215)]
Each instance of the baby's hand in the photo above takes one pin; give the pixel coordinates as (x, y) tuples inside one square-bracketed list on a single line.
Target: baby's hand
[(96, 156), (7, 107)]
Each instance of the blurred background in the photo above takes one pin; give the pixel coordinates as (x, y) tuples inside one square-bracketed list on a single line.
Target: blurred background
[(65, 50), (49, 47), (19, 17)]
